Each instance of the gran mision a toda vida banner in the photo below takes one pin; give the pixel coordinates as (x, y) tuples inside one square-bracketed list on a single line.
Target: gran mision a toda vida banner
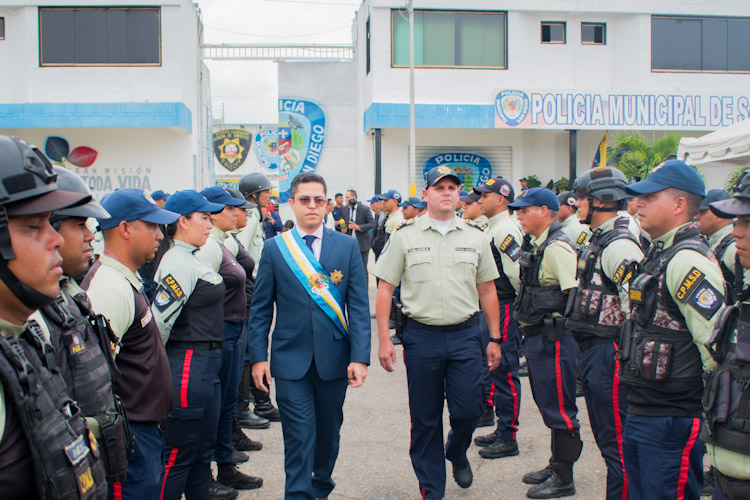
[(560, 109), (473, 169), (302, 128)]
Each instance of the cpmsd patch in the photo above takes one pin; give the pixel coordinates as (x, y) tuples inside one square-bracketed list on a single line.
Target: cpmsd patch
[(582, 238), (511, 248), (689, 284), (706, 300)]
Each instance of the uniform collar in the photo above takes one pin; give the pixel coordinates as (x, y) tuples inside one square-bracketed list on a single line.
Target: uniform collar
[(537, 242), (719, 235), (570, 220), (607, 225), (668, 238), (218, 234), (498, 218), (425, 222), (121, 268), (69, 286), (11, 330)]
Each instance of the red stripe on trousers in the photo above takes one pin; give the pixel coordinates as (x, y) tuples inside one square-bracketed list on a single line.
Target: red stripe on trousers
[(513, 422), (170, 463), (558, 382), (506, 321), (685, 462), (491, 398), (618, 424), (185, 378), (117, 488)]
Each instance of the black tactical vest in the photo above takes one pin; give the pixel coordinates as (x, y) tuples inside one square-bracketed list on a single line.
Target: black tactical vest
[(733, 278), (657, 349), (535, 303), (597, 309), (65, 453), (506, 294)]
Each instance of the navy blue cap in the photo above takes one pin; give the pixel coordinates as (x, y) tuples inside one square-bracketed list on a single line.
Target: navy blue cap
[(377, 197), (131, 204), (422, 205), (567, 198), (472, 197), (215, 194), (497, 185), (537, 197), (159, 195), (410, 201), (713, 195), (189, 201), (436, 174), (670, 174), (463, 193), (391, 194)]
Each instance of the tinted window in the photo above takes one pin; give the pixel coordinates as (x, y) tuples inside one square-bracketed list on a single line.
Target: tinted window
[(592, 33), (553, 32), (2, 28), (99, 36)]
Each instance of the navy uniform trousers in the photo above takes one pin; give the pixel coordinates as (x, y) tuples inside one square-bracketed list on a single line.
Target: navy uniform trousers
[(229, 377), (441, 364), (553, 372), (145, 466), (190, 429), (606, 402)]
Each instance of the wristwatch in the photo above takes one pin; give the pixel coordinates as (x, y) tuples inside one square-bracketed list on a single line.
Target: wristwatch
[(497, 341)]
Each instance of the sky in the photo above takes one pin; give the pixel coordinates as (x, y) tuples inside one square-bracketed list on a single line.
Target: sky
[(246, 92)]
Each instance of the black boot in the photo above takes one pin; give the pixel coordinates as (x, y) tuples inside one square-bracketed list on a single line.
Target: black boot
[(230, 476), (252, 421), (241, 441), (488, 417), (500, 448), (217, 491), (263, 406), (486, 440), (539, 476), (566, 449)]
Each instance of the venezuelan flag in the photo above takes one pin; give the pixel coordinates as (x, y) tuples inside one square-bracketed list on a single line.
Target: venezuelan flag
[(600, 158)]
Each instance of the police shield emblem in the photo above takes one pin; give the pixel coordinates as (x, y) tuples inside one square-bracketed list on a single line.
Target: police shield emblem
[(231, 147), (512, 106)]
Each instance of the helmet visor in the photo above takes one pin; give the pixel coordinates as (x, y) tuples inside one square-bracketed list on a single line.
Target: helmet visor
[(47, 202)]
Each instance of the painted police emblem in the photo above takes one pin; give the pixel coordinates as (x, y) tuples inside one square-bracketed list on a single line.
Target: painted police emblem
[(231, 147), (318, 283), (512, 106)]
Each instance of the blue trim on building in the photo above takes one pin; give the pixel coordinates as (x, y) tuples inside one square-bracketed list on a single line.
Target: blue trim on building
[(99, 115), (386, 114)]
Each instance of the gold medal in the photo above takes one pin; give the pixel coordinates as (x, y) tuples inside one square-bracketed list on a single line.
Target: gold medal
[(336, 276)]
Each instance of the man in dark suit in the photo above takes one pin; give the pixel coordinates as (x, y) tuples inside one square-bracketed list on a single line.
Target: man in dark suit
[(359, 222), (314, 277)]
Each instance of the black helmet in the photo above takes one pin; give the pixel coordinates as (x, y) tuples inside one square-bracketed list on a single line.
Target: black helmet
[(254, 183), (606, 184), (236, 195), (69, 181)]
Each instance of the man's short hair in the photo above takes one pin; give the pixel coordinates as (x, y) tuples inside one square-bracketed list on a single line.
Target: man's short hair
[(305, 178), (693, 201), (337, 195), (553, 214), (353, 192)]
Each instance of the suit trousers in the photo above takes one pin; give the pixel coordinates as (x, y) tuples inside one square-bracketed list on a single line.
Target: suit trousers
[(311, 412), (442, 365)]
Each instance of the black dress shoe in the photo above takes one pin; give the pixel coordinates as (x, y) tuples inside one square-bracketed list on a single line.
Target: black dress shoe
[(488, 417), (230, 476), (239, 457), (217, 491), (253, 421), (462, 474), (554, 487), (486, 440), (538, 477), (499, 449), (268, 411)]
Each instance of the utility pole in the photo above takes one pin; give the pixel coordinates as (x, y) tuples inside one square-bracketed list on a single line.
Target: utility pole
[(412, 116)]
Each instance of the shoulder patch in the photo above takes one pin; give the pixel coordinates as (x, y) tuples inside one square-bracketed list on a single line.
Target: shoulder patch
[(511, 248), (471, 223), (689, 284), (582, 238), (167, 292), (622, 274), (407, 222), (706, 299)]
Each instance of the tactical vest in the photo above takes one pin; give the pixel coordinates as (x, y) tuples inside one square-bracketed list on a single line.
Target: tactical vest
[(657, 350), (65, 453), (77, 335), (535, 303), (596, 306), (726, 398), (506, 294), (733, 278)]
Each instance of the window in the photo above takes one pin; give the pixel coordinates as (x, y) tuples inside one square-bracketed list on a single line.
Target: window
[(367, 47), (2, 28), (99, 36), (448, 39), (593, 33), (700, 44), (553, 32)]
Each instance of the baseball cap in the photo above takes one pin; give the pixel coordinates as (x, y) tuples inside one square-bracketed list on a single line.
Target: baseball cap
[(739, 204), (159, 195), (391, 194), (436, 174), (189, 201), (131, 204), (472, 197), (497, 185), (411, 200), (422, 205), (670, 174), (713, 195), (377, 197), (537, 197), (567, 198), (523, 179), (215, 194)]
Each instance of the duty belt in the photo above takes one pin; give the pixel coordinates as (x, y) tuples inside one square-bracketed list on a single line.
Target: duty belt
[(213, 345), (590, 342), (532, 330), (445, 328)]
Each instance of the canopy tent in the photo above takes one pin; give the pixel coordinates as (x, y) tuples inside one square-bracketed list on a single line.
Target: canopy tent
[(728, 146)]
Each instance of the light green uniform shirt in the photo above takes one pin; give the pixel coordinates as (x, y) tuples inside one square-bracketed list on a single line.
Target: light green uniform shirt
[(210, 253), (393, 221), (10, 330), (614, 254), (730, 253), (501, 227), (578, 233), (438, 274), (482, 220), (252, 237)]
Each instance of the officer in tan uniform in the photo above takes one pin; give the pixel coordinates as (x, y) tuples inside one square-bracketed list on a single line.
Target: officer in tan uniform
[(446, 269), (391, 199), (578, 233), (472, 210)]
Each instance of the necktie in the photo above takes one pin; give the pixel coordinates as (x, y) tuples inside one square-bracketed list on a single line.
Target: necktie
[(309, 239)]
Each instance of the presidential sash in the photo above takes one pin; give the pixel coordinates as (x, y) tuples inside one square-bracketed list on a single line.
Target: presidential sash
[(313, 278)]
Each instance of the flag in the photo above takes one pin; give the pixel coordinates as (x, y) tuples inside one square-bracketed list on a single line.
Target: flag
[(600, 158)]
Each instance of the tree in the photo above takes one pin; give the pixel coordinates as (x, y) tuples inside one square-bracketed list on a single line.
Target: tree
[(732, 179), (635, 157)]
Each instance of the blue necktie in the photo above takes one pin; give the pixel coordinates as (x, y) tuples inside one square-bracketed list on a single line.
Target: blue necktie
[(309, 239)]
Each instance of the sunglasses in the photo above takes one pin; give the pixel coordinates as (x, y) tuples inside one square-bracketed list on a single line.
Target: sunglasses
[(305, 200)]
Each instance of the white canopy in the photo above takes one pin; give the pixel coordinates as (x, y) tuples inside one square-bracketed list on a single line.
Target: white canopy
[(728, 146)]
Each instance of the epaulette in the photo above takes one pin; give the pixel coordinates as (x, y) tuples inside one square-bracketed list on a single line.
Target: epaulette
[(407, 222), (471, 223)]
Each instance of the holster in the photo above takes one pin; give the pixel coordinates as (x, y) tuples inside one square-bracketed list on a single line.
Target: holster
[(735, 489), (626, 341), (117, 442), (399, 318), (554, 328)]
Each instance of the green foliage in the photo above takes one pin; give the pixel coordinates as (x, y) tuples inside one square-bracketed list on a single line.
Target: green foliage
[(533, 181), (732, 179), (637, 157), (550, 185), (561, 185)]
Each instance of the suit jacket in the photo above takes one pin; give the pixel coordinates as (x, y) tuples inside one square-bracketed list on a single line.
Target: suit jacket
[(363, 217), (302, 329)]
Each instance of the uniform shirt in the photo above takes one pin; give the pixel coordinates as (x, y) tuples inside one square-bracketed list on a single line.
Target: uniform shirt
[(394, 219), (614, 254), (482, 220), (210, 253), (578, 233), (438, 273), (730, 253), (500, 227), (251, 237), (10, 330)]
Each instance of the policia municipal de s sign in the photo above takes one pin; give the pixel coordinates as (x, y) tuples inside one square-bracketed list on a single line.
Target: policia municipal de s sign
[(46, 448)]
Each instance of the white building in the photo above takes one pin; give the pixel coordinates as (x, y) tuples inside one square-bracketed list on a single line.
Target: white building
[(124, 79)]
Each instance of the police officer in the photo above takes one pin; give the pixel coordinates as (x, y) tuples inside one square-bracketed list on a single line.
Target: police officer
[(675, 298), (725, 427), (378, 234), (41, 426), (506, 238), (719, 233), (599, 307), (256, 188), (82, 339), (472, 210), (391, 199), (409, 207), (131, 237), (548, 273), (578, 233), (445, 268)]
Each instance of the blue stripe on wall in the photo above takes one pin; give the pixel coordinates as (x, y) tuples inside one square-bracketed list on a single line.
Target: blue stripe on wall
[(385, 114), (88, 115)]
